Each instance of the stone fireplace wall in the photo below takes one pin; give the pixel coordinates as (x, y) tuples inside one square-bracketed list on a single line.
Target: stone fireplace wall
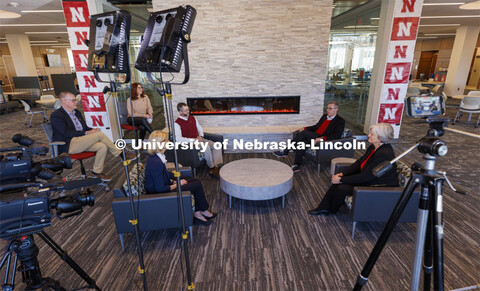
[(257, 48)]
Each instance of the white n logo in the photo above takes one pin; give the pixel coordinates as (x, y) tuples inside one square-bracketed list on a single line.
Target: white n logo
[(396, 74), (77, 14), (389, 113), (93, 102), (83, 60), (404, 29)]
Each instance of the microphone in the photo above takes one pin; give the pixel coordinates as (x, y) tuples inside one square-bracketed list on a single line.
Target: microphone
[(18, 186), (70, 185), (381, 169), (22, 140)]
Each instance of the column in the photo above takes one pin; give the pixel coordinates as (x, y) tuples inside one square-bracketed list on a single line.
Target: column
[(460, 60), (397, 33), (22, 56)]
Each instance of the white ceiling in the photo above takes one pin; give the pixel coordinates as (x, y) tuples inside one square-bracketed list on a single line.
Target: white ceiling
[(140, 15)]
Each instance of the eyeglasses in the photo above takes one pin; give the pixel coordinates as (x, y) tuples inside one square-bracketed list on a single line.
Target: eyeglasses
[(72, 100), (331, 108)]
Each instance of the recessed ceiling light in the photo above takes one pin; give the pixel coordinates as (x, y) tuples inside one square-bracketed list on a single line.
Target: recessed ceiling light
[(451, 16), (12, 4), (45, 32), (439, 34), (8, 14), (456, 24), (471, 6), (443, 4), (361, 26), (35, 24), (42, 11)]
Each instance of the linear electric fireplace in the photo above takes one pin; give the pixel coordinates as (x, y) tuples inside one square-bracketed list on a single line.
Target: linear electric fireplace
[(244, 105)]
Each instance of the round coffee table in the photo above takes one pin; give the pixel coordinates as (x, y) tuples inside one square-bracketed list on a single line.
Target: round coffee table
[(256, 179)]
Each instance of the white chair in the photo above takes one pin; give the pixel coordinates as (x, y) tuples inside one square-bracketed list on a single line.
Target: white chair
[(30, 113), (57, 104), (50, 105), (470, 105), (474, 93), (413, 91), (437, 89)]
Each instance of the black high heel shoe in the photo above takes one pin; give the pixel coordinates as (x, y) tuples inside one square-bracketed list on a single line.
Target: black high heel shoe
[(214, 214), (201, 222)]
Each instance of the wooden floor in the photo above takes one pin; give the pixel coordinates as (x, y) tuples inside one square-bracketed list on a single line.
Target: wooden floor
[(259, 245)]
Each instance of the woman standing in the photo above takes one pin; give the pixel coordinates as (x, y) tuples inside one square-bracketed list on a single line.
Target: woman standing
[(142, 111), (360, 173)]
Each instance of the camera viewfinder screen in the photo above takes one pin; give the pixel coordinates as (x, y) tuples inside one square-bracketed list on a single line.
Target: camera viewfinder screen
[(425, 105)]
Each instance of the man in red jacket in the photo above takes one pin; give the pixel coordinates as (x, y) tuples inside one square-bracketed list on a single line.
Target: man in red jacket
[(329, 127), (188, 129)]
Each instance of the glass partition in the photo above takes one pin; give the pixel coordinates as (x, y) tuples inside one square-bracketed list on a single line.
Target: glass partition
[(350, 63)]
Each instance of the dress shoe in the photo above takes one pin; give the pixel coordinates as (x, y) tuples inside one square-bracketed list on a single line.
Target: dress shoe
[(201, 222), (214, 214), (296, 168), (102, 176), (129, 156), (215, 172), (281, 154), (318, 211)]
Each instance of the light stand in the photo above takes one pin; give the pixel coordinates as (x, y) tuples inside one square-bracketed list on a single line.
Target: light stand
[(108, 53), (164, 52), (429, 236)]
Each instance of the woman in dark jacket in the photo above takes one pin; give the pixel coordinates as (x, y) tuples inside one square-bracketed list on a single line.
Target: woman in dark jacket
[(158, 181), (360, 173)]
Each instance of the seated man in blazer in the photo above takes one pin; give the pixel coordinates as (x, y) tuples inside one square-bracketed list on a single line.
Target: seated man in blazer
[(329, 127), (69, 126)]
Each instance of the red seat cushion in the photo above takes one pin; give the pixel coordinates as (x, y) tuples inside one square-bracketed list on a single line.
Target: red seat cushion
[(129, 127), (84, 155)]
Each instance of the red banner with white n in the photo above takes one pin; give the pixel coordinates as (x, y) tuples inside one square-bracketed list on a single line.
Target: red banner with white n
[(93, 101), (401, 47)]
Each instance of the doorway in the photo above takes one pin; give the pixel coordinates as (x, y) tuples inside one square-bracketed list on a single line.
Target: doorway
[(427, 64)]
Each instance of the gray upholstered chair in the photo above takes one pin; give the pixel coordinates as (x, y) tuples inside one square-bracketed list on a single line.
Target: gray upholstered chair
[(192, 157), (376, 204), (154, 211), (326, 155)]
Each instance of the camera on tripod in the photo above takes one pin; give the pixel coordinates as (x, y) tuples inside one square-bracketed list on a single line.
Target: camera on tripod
[(17, 164), (29, 212)]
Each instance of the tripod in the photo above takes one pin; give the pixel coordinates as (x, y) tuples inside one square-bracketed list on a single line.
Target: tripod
[(429, 235), (26, 252)]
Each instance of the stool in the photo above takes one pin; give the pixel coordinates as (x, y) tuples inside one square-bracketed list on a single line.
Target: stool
[(336, 161), (81, 156)]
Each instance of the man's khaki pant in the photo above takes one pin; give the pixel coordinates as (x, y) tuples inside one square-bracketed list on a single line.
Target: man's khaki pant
[(213, 157), (94, 142)]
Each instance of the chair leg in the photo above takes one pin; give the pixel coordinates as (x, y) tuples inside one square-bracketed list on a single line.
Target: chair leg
[(319, 168), (31, 118), (456, 117), (26, 117), (120, 235), (191, 233), (478, 121), (353, 229), (82, 168)]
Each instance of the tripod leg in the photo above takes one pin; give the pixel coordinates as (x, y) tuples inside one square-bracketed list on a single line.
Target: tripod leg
[(64, 256), (420, 236), (428, 256), (438, 237), (382, 240)]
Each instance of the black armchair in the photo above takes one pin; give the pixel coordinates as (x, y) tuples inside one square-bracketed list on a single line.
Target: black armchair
[(192, 157), (154, 211), (376, 204), (326, 155)]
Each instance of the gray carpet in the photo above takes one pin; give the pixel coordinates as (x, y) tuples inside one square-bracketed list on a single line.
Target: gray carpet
[(259, 245)]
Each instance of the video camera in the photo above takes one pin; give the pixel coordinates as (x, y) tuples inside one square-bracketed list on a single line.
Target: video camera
[(17, 165), (29, 212)]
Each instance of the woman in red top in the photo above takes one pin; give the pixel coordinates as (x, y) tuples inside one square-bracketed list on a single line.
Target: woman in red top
[(360, 173)]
